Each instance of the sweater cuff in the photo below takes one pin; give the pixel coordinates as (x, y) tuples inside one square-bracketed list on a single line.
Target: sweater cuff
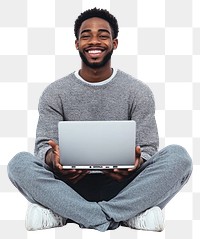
[(145, 156), (42, 153)]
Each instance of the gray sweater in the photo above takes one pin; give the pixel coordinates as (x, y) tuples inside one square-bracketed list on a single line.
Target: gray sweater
[(122, 98)]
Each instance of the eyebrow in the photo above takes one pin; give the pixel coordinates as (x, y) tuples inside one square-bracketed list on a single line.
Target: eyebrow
[(100, 30)]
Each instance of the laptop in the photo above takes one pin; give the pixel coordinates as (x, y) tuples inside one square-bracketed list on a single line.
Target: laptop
[(97, 144)]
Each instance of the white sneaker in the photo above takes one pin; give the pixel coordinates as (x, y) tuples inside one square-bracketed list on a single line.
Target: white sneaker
[(38, 218), (150, 220)]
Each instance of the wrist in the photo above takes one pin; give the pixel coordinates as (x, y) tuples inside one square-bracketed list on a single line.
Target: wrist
[(49, 158)]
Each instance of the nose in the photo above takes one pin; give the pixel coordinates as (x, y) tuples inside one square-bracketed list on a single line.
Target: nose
[(94, 40)]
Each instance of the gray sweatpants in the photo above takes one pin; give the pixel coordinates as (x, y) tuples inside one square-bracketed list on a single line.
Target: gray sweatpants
[(97, 201)]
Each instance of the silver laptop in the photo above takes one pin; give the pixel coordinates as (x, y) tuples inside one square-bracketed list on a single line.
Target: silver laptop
[(97, 144)]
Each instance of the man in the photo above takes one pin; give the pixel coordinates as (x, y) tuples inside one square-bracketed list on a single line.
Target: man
[(134, 197)]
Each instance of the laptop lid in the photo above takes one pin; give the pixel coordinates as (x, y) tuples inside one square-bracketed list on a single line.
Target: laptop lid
[(97, 144)]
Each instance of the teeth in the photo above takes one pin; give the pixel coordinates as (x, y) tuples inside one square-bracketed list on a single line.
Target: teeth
[(94, 51)]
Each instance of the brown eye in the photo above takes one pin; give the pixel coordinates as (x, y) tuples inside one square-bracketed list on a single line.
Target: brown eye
[(85, 37), (104, 37)]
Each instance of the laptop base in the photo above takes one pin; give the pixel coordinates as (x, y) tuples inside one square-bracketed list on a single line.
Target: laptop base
[(99, 167)]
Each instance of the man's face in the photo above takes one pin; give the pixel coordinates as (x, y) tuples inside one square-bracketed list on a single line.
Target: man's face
[(95, 42)]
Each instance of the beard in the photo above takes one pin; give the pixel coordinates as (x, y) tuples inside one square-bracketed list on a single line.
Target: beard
[(99, 64)]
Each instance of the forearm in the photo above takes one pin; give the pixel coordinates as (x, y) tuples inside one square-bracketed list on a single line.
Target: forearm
[(50, 113)]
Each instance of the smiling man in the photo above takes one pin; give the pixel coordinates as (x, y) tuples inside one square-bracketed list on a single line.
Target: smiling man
[(96, 42), (105, 200)]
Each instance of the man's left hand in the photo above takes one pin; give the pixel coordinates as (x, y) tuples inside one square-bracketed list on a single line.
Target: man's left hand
[(120, 174)]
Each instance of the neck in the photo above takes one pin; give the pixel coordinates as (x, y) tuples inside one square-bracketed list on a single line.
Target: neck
[(95, 75)]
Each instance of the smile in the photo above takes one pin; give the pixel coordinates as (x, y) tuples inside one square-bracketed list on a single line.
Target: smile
[(94, 51)]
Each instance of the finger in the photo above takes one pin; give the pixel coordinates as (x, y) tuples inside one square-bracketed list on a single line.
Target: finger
[(120, 171), (117, 177), (69, 172), (116, 170), (56, 152), (137, 163), (56, 164), (55, 147), (131, 169), (137, 156), (137, 152), (72, 177), (52, 143), (80, 176), (56, 159)]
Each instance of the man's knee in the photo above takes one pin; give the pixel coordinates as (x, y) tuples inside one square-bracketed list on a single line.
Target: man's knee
[(18, 163), (180, 156)]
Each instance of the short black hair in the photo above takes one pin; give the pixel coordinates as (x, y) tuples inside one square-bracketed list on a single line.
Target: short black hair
[(95, 12)]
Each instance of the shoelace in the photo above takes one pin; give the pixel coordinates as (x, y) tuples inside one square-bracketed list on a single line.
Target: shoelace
[(140, 222), (50, 219)]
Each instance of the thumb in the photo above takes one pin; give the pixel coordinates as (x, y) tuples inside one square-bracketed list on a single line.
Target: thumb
[(138, 151), (52, 144), (137, 156)]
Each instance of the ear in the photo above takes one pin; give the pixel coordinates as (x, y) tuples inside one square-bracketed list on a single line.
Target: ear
[(76, 44), (115, 43)]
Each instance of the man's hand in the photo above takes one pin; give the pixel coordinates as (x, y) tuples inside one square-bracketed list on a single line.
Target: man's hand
[(53, 161), (120, 174)]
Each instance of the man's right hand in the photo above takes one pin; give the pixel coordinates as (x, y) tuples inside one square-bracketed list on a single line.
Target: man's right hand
[(53, 161)]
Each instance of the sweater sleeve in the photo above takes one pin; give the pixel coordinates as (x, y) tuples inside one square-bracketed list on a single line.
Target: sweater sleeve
[(143, 112), (50, 113)]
